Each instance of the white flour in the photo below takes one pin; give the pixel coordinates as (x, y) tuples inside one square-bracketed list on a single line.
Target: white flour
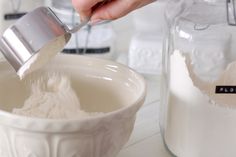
[(53, 97), (200, 123), (42, 57)]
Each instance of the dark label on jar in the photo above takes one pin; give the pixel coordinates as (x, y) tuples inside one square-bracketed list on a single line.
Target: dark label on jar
[(13, 16), (87, 51), (225, 90)]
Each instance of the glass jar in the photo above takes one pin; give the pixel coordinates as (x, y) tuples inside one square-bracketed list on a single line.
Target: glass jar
[(97, 40), (198, 106)]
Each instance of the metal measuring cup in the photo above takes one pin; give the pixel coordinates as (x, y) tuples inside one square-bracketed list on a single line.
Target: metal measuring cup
[(39, 32)]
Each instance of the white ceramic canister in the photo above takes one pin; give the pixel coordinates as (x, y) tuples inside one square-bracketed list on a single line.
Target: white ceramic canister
[(145, 50)]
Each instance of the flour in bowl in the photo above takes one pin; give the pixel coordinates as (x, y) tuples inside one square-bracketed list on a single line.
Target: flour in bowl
[(53, 97)]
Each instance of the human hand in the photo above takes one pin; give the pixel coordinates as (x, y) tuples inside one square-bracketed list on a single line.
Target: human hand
[(110, 10)]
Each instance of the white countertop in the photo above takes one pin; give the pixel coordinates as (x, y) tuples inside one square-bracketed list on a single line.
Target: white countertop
[(146, 139)]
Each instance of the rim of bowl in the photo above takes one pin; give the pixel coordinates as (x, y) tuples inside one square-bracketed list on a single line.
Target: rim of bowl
[(62, 125)]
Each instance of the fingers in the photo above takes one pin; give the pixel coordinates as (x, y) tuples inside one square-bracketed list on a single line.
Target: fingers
[(84, 7), (117, 8), (111, 10)]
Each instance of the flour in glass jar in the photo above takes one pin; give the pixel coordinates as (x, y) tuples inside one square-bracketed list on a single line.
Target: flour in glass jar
[(200, 121)]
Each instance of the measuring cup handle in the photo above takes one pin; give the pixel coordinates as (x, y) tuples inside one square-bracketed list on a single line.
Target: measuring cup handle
[(83, 23), (78, 26)]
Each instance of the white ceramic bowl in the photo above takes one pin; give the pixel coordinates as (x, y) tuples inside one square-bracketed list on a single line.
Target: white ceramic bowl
[(102, 86)]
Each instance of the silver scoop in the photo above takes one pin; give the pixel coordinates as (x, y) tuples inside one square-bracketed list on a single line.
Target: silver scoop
[(40, 33)]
